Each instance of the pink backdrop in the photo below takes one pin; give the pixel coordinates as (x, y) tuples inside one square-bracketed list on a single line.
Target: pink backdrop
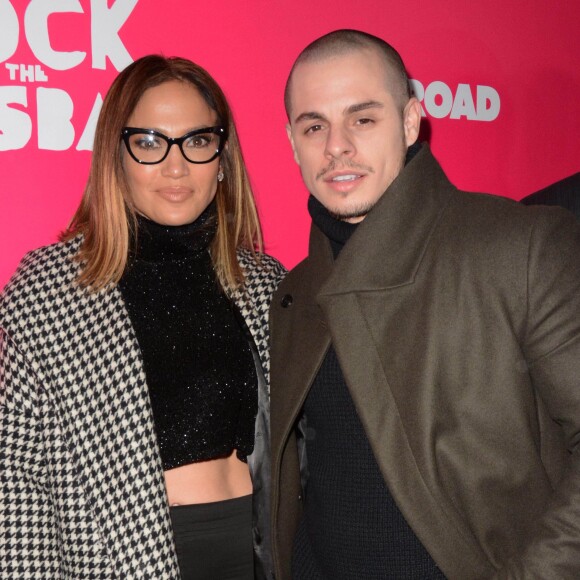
[(500, 85)]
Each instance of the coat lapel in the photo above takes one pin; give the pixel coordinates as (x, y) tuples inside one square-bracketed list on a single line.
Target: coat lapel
[(381, 261)]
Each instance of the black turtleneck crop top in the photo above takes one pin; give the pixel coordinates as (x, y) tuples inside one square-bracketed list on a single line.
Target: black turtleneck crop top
[(198, 363)]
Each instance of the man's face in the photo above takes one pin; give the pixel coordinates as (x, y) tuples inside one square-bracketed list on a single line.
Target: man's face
[(348, 132)]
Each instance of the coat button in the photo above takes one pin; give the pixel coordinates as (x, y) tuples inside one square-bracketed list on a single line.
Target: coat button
[(286, 301)]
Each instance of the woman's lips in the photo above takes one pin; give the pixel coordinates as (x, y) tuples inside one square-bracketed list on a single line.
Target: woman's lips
[(174, 194)]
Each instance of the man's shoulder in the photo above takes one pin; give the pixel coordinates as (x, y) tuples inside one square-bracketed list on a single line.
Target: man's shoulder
[(427, 181), (297, 275), (301, 267), (477, 201), (482, 211), (502, 232)]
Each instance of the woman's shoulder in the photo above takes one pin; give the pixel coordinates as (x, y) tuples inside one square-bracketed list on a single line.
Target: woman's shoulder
[(260, 268), (42, 273), (262, 275)]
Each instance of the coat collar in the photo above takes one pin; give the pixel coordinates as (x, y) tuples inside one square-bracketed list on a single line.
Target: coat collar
[(394, 234), (385, 251)]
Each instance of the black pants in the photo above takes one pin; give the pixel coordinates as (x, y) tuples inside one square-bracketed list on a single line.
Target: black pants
[(214, 540)]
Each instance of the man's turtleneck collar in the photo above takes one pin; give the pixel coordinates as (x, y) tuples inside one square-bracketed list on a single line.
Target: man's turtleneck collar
[(160, 243), (338, 231)]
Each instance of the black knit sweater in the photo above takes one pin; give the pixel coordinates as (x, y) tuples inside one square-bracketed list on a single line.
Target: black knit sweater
[(199, 366)]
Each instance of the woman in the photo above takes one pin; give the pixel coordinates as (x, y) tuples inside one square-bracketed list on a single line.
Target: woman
[(133, 362)]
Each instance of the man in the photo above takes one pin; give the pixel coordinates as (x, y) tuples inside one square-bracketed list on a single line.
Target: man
[(565, 193), (425, 356)]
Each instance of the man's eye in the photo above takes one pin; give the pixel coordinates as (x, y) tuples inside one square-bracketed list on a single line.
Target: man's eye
[(313, 129), (200, 141), (365, 121)]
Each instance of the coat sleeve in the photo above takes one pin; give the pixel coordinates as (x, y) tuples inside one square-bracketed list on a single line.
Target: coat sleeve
[(552, 351), (28, 526)]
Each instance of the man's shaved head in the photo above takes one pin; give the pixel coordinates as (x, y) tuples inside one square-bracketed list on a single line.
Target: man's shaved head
[(341, 42)]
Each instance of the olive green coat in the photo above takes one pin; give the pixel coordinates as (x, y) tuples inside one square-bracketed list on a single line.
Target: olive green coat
[(456, 321)]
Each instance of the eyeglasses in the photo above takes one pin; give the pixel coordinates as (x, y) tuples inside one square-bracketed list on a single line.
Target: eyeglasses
[(149, 147)]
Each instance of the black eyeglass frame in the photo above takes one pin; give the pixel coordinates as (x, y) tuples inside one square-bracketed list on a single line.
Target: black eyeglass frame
[(219, 131)]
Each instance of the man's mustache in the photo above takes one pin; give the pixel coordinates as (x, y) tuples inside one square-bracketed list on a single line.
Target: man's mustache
[(334, 165)]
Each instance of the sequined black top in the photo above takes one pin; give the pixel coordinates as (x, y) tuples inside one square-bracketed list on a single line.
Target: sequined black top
[(198, 362)]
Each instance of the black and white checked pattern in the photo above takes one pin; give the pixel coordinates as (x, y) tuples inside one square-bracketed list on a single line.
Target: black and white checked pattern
[(81, 482), (254, 300)]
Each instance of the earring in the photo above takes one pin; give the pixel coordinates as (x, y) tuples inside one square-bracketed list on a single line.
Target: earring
[(220, 175)]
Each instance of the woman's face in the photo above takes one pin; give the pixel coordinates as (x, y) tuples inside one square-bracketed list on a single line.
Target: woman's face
[(174, 192)]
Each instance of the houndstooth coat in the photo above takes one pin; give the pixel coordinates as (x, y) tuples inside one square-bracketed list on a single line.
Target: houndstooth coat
[(82, 492)]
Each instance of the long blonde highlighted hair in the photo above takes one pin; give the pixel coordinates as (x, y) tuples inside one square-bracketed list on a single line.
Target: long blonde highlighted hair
[(106, 216)]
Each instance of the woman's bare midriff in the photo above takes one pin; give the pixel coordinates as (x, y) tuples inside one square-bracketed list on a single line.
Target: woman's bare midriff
[(208, 481)]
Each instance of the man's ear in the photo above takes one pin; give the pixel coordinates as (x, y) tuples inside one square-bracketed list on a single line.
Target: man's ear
[(291, 139), (411, 120)]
